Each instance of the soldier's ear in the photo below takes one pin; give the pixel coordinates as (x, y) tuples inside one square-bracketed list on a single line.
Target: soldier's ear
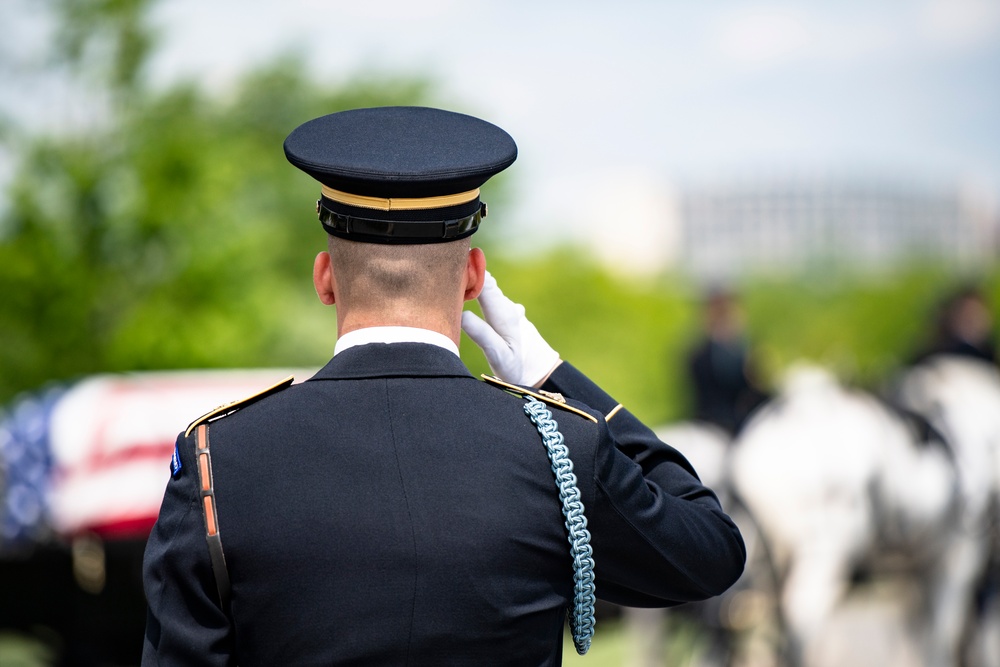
[(475, 274), (323, 278)]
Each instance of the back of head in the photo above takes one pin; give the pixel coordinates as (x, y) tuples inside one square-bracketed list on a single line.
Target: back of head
[(398, 278)]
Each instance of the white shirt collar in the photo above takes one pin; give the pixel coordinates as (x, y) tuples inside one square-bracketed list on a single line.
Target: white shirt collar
[(394, 335)]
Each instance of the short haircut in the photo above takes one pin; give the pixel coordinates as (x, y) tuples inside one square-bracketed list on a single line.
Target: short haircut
[(377, 274)]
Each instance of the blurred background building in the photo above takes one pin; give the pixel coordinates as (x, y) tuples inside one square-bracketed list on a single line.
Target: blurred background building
[(794, 224)]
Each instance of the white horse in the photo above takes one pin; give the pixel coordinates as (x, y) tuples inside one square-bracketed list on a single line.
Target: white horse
[(961, 397), (742, 621), (834, 478)]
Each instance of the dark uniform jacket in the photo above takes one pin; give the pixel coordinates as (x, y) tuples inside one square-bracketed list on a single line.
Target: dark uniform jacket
[(395, 510)]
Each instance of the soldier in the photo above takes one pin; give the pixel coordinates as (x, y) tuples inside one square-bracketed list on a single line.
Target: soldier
[(720, 366), (393, 509), (963, 327)]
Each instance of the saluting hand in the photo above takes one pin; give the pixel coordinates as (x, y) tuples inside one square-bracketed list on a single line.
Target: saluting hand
[(515, 350)]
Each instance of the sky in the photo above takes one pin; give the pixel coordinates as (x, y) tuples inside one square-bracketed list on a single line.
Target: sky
[(617, 107)]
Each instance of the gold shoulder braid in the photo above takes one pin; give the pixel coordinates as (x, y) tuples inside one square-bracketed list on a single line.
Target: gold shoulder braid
[(233, 406), (550, 398)]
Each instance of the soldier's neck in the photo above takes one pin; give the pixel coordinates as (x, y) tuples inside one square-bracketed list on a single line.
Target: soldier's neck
[(442, 324)]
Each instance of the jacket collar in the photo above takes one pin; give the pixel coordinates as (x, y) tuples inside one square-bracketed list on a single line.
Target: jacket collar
[(393, 360)]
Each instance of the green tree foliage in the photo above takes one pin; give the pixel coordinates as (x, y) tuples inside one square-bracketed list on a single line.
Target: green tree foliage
[(106, 40), (175, 235)]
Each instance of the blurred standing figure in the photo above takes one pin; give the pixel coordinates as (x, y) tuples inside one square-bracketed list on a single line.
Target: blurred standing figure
[(963, 327), (719, 366), (393, 509)]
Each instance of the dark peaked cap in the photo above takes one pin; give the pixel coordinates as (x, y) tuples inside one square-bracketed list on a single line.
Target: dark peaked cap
[(400, 174)]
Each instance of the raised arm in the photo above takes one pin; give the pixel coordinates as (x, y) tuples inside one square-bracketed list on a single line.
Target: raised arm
[(659, 535)]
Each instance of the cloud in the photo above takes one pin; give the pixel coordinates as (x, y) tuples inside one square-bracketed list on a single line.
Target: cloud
[(394, 11), (773, 36), (960, 24), (763, 36)]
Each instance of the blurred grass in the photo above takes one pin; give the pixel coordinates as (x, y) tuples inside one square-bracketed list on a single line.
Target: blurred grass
[(615, 644), (609, 648), (18, 650)]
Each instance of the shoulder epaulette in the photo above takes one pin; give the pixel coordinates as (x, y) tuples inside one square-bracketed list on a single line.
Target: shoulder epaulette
[(549, 398), (232, 407)]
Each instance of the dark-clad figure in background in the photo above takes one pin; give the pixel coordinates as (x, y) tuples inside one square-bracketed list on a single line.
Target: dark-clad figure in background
[(393, 509), (963, 326), (719, 367)]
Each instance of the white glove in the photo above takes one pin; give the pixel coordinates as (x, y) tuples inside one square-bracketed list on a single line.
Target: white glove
[(515, 350)]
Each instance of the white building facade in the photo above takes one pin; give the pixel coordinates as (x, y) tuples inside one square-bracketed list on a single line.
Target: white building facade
[(794, 225)]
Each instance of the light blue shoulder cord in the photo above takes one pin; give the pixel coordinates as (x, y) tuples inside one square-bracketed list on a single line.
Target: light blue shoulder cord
[(581, 619)]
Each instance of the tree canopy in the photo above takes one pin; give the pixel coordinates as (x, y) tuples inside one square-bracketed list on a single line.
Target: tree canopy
[(171, 233)]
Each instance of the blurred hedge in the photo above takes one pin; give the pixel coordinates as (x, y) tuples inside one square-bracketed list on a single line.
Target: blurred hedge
[(632, 334)]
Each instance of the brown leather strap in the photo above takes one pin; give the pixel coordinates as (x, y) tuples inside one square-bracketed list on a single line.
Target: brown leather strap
[(209, 511)]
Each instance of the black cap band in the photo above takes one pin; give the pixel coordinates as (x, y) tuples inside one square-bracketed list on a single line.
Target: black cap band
[(357, 227)]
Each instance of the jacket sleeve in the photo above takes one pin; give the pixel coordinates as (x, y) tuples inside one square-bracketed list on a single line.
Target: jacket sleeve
[(659, 536), (185, 624)]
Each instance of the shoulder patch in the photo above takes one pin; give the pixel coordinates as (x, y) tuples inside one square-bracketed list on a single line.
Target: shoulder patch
[(549, 398), (232, 407), (175, 462)]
